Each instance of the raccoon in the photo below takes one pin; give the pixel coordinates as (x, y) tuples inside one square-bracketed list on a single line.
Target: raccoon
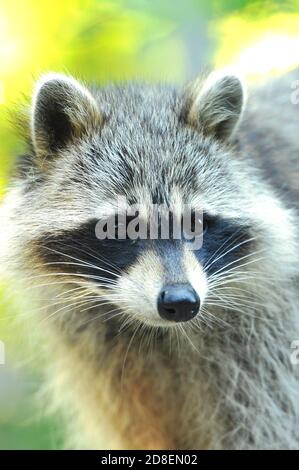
[(154, 345)]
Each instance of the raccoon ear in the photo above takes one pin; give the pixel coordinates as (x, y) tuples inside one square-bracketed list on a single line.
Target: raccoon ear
[(216, 105), (62, 110)]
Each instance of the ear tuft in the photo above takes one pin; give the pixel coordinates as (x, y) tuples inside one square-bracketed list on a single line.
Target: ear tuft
[(215, 106), (62, 110)]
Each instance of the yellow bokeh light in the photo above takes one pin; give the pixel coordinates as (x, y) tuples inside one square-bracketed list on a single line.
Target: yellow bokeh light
[(258, 46)]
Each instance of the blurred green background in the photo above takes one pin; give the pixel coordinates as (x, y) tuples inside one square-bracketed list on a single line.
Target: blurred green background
[(99, 40)]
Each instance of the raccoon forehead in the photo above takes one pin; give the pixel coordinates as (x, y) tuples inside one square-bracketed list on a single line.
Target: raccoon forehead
[(127, 138), (69, 200), (137, 101), (144, 172)]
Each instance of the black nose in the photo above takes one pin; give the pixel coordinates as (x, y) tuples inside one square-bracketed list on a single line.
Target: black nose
[(178, 302)]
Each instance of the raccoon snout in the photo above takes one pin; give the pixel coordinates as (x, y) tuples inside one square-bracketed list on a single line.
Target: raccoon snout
[(178, 302)]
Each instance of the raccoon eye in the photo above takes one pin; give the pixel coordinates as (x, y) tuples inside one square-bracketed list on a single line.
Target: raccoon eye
[(205, 225), (195, 218), (209, 223), (121, 228)]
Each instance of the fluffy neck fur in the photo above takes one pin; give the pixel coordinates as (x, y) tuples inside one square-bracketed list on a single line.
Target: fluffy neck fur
[(224, 388)]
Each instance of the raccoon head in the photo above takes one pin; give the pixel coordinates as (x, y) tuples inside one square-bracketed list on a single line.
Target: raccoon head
[(159, 148)]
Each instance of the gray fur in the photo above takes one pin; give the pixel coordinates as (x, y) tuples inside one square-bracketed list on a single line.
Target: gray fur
[(223, 384)]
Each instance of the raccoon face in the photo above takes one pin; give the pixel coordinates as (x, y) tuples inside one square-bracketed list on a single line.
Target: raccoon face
[(150, 146)]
